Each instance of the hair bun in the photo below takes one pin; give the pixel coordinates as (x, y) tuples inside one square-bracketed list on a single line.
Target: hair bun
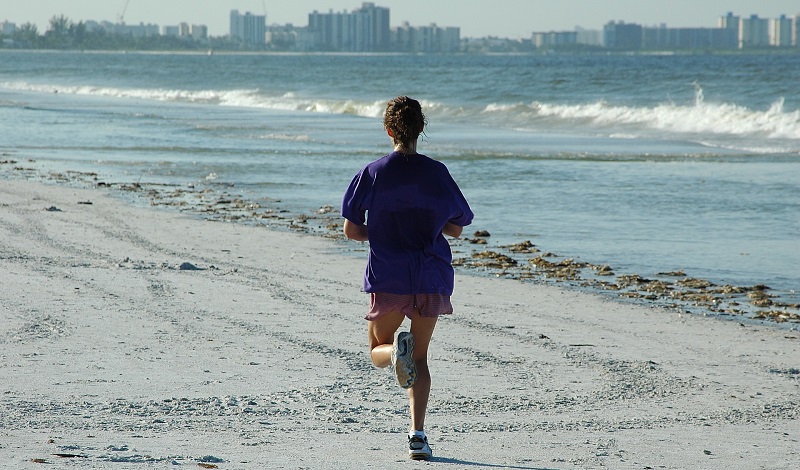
[(405, 119)]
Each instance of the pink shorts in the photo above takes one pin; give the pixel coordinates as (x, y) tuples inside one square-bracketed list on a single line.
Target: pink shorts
[(428, 305)]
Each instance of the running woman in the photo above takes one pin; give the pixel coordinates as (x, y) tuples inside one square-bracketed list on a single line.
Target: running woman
[(404, 204)]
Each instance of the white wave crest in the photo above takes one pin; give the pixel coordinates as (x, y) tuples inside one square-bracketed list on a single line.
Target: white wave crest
[(697, 120), (239, 98), (701, 118)]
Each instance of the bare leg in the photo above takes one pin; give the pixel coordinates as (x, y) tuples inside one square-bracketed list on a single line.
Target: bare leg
[(422, 330), (381, 336)]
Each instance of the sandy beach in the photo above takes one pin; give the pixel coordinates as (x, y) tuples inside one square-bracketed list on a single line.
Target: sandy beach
[(141, 338)]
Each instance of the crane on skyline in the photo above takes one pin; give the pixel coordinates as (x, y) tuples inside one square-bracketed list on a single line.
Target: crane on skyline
[(122, 14)]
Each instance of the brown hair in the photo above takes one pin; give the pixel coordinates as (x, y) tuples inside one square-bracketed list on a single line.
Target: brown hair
[(404, 118)]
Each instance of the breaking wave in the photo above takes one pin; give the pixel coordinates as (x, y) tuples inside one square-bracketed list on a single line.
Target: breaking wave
[(697, 120), (700, 118), (240, 98)]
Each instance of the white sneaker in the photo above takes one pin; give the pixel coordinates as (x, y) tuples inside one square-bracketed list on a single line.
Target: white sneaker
[(418, 448), (403, 361)]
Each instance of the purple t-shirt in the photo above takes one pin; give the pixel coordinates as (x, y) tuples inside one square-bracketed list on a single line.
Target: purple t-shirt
[(409, 199)]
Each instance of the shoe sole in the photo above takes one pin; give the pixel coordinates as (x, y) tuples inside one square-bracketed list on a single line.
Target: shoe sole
[(404, 366), (420, 456)]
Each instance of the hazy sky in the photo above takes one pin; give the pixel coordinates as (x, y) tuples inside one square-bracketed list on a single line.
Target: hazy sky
[(504, 18)]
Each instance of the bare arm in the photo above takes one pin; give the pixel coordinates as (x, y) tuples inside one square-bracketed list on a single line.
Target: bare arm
[(355, 231), (452, 229)]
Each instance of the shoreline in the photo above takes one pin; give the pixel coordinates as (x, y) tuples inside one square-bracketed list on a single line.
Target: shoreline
[(589, 51), (474, 254), (137, 336)]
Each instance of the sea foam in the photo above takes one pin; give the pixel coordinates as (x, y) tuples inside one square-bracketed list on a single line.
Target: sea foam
[(696, 120)]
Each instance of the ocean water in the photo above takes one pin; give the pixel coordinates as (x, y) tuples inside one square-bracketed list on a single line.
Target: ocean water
[(646, 163)]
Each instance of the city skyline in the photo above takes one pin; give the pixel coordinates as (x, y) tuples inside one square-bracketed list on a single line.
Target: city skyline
[(476, 18)]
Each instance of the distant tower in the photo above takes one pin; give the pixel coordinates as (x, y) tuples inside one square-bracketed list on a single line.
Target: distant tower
[(729, 21), (372, 31), (753, 32), (249, 29), (780, 31), (622, 36), (796, 30), (730, 24), (366, 29)]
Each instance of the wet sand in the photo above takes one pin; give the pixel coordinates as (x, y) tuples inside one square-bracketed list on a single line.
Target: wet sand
[(132, 336)]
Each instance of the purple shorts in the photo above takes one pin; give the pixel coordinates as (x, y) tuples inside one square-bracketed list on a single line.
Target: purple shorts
[(428, 305)]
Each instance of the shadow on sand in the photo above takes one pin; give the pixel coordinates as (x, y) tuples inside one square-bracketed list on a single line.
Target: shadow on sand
[(484, 465)]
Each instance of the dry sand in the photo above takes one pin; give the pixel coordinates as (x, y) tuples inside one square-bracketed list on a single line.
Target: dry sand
[(113, 356)]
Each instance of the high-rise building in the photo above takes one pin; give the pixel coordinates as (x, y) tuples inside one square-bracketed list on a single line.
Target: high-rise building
[(448, 39), (589, 37), (753, 32), (199, 32), (554, 39), (729, 21), (327, 28), (8, 29), (780, 31), (372, 29), (796, 30), (433, 38), (662, 37), (624, 36), (366, 29), (136, 31), (249, 29), (762, 32), (183, 30)]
